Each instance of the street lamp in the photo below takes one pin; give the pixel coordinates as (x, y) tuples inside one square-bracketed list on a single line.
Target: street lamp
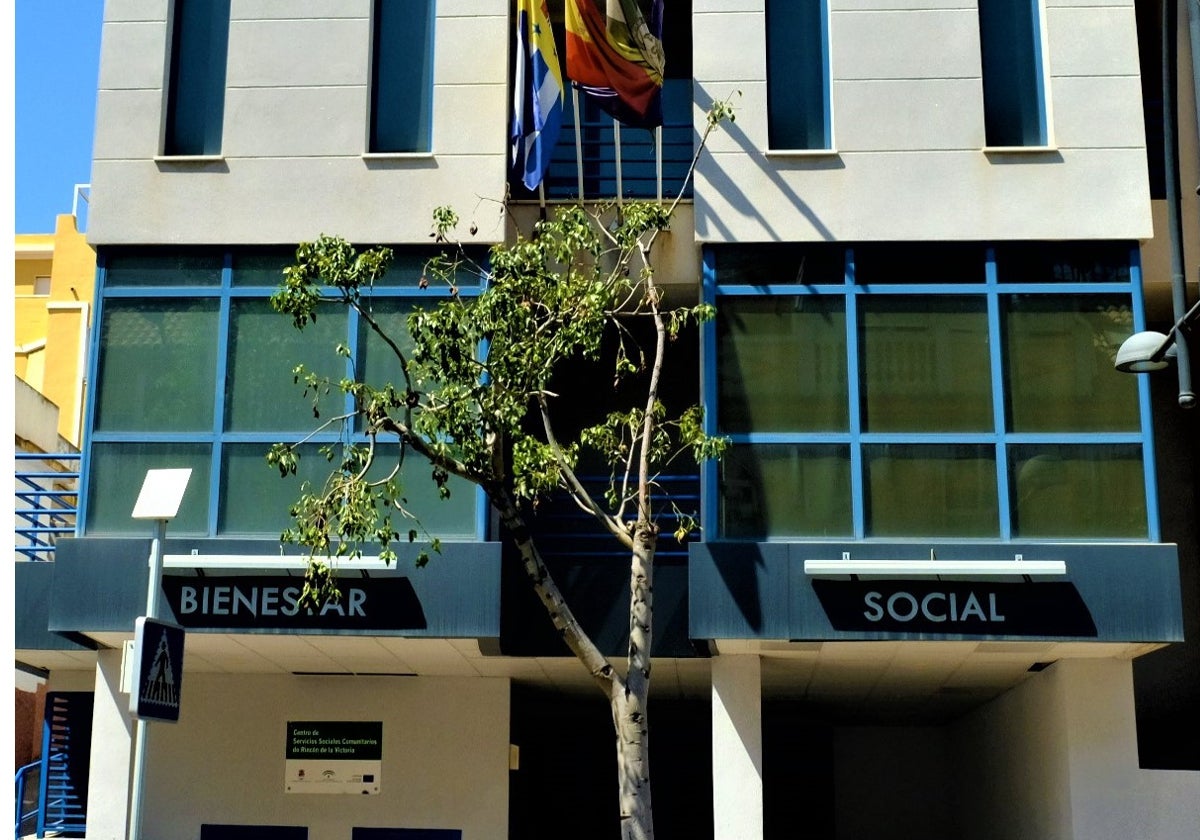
[(162, 491), (1149, 351), (1146, 351)]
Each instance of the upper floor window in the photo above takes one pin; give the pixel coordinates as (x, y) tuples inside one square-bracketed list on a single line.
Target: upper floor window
[(1014, 100), (976, 399), (401, 76), (41, 286), (595, 158), (196, 88), (194, 369), (798, 75)]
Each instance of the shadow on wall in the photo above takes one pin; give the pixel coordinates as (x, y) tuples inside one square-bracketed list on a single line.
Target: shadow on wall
[(1166, 683), (706, 222)]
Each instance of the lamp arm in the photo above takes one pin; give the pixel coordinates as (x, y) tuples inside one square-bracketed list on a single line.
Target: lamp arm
[(1169, 339)]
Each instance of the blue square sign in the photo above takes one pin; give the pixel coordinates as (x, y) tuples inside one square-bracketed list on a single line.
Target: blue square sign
[(158, 655)]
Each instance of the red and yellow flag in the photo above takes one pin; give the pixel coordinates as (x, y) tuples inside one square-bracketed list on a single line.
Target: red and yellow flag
[(615, 55)]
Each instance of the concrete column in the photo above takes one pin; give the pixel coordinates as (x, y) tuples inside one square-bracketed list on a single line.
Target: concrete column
[(1111, 796), (737, 748), (112, 749), (1056, 758)]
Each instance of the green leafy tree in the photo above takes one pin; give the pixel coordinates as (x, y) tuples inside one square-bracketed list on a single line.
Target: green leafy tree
[(475, 401)]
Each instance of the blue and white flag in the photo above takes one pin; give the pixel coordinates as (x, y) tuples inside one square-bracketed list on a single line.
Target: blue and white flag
[(537, 93)]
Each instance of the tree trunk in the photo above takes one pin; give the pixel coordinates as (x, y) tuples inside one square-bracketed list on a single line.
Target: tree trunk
[(630, 702), (633, 764), (627, 697), (551, 596)]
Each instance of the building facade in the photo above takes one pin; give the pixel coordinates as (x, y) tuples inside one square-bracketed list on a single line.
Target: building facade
[(53, 284), (925, 235)]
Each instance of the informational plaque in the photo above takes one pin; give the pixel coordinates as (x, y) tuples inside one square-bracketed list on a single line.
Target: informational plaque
[(333, 757)]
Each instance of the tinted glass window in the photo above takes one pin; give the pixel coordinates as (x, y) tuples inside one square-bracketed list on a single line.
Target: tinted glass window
[(157, 368)]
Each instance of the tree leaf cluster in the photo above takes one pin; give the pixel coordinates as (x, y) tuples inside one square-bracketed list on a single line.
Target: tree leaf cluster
[(480, 366)]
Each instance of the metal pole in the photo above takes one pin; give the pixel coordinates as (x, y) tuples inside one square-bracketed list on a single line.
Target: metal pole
[(156, 563), (142, 728), (658, 166), (1170, 35), (578, 139), (139, 781), (1194, 41), (617, 153)]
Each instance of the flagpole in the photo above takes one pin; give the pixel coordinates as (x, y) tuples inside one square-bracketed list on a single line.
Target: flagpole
[(578, 139), (658, 159), (542, 199), (617, 144)]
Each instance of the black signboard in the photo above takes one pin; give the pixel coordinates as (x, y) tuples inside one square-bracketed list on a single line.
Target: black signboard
[(242, 601), (955, 607), (158, 655), (337, 740)]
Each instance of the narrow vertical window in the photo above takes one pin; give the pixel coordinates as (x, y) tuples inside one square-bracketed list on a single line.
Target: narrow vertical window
[(402, 76), (797, 75), (1014, 106), (196, 95)]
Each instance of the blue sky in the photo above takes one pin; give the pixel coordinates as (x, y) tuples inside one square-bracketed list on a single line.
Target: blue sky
[(57, 61)]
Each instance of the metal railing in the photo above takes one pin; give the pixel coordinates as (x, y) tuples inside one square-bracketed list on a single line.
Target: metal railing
[(66, 753), (47, 501), (564, 531), (61, 808), (27, 806), (594, 164)]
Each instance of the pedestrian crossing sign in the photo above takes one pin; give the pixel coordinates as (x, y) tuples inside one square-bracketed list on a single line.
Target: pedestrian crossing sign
[(158, 655)]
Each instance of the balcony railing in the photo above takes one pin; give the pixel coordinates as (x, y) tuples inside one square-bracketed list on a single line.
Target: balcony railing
[(593, 164), (47, 501), (565, 532)]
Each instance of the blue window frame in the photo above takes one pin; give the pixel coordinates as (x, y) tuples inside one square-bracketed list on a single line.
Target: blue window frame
[(975, 399), (196, 87), (402, 76), (798, 110), (1014, 101), (193, 369)]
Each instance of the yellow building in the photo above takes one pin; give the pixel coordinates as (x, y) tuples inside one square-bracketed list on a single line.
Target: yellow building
[(54, 279)]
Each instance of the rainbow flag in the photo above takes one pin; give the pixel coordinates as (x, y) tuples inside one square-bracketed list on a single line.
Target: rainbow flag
[(615, 56), (537, 93)]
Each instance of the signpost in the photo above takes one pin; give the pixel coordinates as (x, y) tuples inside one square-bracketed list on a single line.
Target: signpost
[(159, 642)]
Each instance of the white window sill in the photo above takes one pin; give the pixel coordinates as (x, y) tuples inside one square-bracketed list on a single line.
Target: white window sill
[(1019, 150), (801, 153), (188, 159), (397, 156)]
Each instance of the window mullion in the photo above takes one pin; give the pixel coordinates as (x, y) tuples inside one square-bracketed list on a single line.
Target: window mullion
[(1144, 408), (996, 352), (354, 364), (853, 384), (709, 470), (223, 316)]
